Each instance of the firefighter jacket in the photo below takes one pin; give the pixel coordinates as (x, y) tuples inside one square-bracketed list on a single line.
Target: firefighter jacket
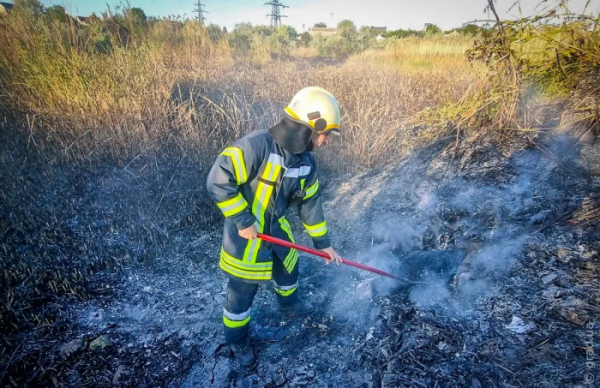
[(254, 181)]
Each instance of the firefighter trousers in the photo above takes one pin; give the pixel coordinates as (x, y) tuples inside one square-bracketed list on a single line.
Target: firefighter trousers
[(240, 295)]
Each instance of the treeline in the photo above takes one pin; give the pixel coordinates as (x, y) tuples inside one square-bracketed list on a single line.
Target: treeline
[(434, 30), (126, 26)]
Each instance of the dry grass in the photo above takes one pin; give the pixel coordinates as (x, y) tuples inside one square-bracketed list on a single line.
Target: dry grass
[(176, 88), (422, 56), (173, 87), (304, 52)]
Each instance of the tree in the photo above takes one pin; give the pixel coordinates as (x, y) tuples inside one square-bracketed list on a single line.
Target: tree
[(31, 7), (306, 38), (366, 38), (432, 29), (346, 33), (401, 33), (136, 15), (346, 29), (470, 29), (214, 33), (321, 25), (57, 12), (280, 40)]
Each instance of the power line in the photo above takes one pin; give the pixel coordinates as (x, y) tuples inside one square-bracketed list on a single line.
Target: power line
[(201, 13), (275, 13)]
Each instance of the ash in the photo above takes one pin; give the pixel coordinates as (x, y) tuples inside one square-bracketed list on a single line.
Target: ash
[(501, 281)]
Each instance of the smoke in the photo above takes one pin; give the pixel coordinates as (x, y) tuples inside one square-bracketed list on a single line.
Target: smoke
[(456, 238)]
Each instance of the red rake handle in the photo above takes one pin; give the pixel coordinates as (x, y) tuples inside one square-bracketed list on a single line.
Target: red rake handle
[(324, 255)]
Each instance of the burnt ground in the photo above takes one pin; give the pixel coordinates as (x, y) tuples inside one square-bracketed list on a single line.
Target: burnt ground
[(111, 276)]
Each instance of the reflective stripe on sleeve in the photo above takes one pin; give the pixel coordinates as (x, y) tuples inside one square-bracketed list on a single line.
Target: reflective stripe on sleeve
[(237, 158), (312, 190), (233, 206), (297, 172), (317, 230)]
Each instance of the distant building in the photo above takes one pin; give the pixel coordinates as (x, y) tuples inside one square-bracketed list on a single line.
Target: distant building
[(5, 7), (323, 31), (84, 20), (380, 38), (379, 30)]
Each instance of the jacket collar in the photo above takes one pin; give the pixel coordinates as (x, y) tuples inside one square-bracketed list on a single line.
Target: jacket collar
[(291, 136)]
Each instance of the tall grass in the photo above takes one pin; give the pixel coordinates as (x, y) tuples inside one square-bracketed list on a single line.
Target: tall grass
[(119, 91), (94, 93)]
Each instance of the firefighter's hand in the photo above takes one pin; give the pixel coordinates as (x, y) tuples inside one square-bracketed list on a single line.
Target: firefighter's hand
[(333, 256), (249, 233)]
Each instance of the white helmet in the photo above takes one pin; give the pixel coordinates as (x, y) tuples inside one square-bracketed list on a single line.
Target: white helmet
[(317, 108)]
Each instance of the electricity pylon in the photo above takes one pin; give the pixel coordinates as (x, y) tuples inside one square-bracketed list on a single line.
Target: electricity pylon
[(201, 13), (275, 13)]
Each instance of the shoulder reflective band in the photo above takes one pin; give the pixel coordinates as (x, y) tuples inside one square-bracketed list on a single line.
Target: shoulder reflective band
[(238, 163), (312, 190), (261, 203), (233, 206), (297, 172), (317, 230)]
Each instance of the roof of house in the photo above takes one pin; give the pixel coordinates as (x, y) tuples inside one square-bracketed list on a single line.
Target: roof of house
[(384, 29), (84, 19)]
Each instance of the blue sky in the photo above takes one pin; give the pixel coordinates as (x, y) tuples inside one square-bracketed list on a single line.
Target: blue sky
[(302, 14)]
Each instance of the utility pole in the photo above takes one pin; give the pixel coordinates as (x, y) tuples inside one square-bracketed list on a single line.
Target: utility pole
[(275, 13), (201, 13)]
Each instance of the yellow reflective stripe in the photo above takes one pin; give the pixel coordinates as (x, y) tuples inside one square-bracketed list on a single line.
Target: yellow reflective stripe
[(239, 273), (290, 112), (290, 260), (286, 292), (292, 257), (302, 182), (238, 163), (317, 230), (235, 324), (312, 190), (233, 206), (243, 266), (285, 226), (261, 203), (331, 126)]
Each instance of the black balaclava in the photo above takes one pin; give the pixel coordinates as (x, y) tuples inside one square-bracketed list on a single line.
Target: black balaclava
[(292, 136)]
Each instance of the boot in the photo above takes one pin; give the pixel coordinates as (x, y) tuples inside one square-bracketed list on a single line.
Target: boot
[(244, 354), (297, 307)]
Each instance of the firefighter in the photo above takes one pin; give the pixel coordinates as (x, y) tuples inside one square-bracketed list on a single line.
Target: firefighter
[(254, 182)]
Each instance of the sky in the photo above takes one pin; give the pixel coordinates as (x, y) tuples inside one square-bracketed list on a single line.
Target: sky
[(302, 14)]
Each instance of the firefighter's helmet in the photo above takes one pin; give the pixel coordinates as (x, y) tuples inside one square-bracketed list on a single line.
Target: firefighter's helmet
[(316, 108)]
